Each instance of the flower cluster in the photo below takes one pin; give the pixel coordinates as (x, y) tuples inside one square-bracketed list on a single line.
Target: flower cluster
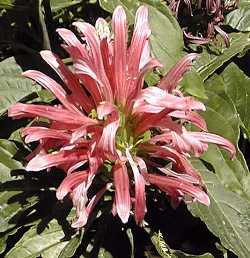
[(107, 117), (206, 18)]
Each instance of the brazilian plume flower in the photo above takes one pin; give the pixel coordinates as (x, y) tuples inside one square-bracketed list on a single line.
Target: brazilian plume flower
[(108, 119)]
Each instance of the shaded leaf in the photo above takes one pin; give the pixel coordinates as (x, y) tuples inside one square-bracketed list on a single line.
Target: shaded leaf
[(13, 87), (13, 204), (49, 244), (7, 163), (166, 252), (57, 5)]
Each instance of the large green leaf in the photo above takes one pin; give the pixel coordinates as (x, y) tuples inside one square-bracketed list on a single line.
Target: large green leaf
[(13, 87), (50, 243), (237, 87), (208, 63), (222, 118), (228, 216), (166, 38), (239, 19)]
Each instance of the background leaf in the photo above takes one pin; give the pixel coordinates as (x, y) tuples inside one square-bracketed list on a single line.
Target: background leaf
[(239, 19), (208, 63), (13, 87)]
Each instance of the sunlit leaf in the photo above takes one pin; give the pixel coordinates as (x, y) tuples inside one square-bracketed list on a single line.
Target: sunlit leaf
[(208, 63), (237, 87), (239, 19), (228, 216)]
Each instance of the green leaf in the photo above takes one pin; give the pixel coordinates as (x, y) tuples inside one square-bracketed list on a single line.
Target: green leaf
[(13, 87), (239, 19), (237, 87), (227, 217), (57, 5), (208, 63), (13, 204), (3, 239), (48, 244), (193, 84), (6, 4), (129, 6), (166, 38), (7, 163), (222, 119), (71, 246), (104, 253)]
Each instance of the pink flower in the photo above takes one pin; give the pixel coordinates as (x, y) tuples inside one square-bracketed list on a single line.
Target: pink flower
[(106, 118)]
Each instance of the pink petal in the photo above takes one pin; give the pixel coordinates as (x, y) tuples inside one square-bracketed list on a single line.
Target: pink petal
[(140, 202), (120, 51), (96, 57), (85, 211), (170, 81), (180, 163), (52, 86), (154, 97), (41, 162), (165, 183), (137, 45), (77, 93), (190, 116), (216, 139), (32, 134), (106, 144), (70, 182), (52, 113), (74, 44), (122, 195)]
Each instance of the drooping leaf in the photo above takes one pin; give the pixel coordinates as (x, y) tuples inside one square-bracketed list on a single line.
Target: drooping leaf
[(227, 217), (208, 63), (13, 87)]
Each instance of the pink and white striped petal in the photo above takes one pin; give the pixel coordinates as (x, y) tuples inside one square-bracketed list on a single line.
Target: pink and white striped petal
[(122, 195)]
